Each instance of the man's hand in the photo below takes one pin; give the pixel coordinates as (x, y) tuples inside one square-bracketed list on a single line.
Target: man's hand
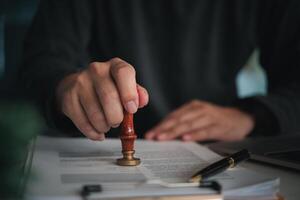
[(198, 121), (95, 97)]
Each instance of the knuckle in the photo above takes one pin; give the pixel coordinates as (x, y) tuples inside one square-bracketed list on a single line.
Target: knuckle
[(116, 59), (195, 102), (94, 65), (80, 81), (123, 69), (99, 68)]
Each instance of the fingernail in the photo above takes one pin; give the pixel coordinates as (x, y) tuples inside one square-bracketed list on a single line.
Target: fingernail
[(115, 125), (186, 137), (102, 137), (131, 107)]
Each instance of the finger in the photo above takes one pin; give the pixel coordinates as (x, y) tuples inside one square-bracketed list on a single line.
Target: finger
[(199, 135), (110, 101), (143, 96), (194, 105), (93, 110), (150, 135), (166, 124), (153, 133), (174, 127), (124, 76), (156, 131), (182, 114), (208, 133), (173, 132), (192, 113), (183, 127), (77, 115)]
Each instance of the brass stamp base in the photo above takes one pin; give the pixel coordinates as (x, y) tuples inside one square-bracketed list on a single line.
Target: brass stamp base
[(125, 162), (128, 159)]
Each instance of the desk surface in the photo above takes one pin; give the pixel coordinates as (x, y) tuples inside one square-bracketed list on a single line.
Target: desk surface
[(289, 179)]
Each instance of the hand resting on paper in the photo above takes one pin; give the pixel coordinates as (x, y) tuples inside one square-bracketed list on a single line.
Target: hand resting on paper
[(199, 121)]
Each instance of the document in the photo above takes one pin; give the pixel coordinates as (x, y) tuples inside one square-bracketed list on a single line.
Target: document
[(63, 165)]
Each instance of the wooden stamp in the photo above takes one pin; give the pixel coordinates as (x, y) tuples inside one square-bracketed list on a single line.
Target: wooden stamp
[(128, 137)]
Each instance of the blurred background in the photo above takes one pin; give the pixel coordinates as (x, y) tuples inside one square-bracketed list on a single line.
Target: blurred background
[(19, 120), (15, 20)]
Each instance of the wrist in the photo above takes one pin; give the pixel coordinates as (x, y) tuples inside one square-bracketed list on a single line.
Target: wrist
[(265, 122), (243, 122)]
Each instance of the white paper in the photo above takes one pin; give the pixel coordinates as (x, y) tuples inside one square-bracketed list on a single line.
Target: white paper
[(62, 165)]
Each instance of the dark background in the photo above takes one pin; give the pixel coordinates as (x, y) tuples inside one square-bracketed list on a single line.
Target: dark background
[(15, 18)]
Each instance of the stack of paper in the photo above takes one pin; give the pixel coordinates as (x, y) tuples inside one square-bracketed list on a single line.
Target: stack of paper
[(61, 166)]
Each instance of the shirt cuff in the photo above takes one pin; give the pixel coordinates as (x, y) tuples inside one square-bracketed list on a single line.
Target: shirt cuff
[(265, 122)]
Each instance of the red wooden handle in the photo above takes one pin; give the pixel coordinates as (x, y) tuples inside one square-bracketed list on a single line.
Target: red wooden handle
[(127, 135)]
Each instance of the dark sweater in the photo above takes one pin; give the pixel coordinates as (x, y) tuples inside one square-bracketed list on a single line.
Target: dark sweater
[(181, 50)]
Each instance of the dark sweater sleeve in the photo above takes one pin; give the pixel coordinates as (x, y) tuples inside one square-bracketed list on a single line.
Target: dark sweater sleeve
[(278, 38), (55, 46)]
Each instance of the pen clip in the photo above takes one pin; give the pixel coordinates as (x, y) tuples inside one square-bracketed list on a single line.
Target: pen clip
[(231, 162)]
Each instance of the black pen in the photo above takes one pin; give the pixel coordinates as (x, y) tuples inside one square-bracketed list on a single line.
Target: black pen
[(220, 166)]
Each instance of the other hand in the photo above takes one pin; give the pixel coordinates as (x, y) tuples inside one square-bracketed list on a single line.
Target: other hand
[(199, 121), (95, 97)]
